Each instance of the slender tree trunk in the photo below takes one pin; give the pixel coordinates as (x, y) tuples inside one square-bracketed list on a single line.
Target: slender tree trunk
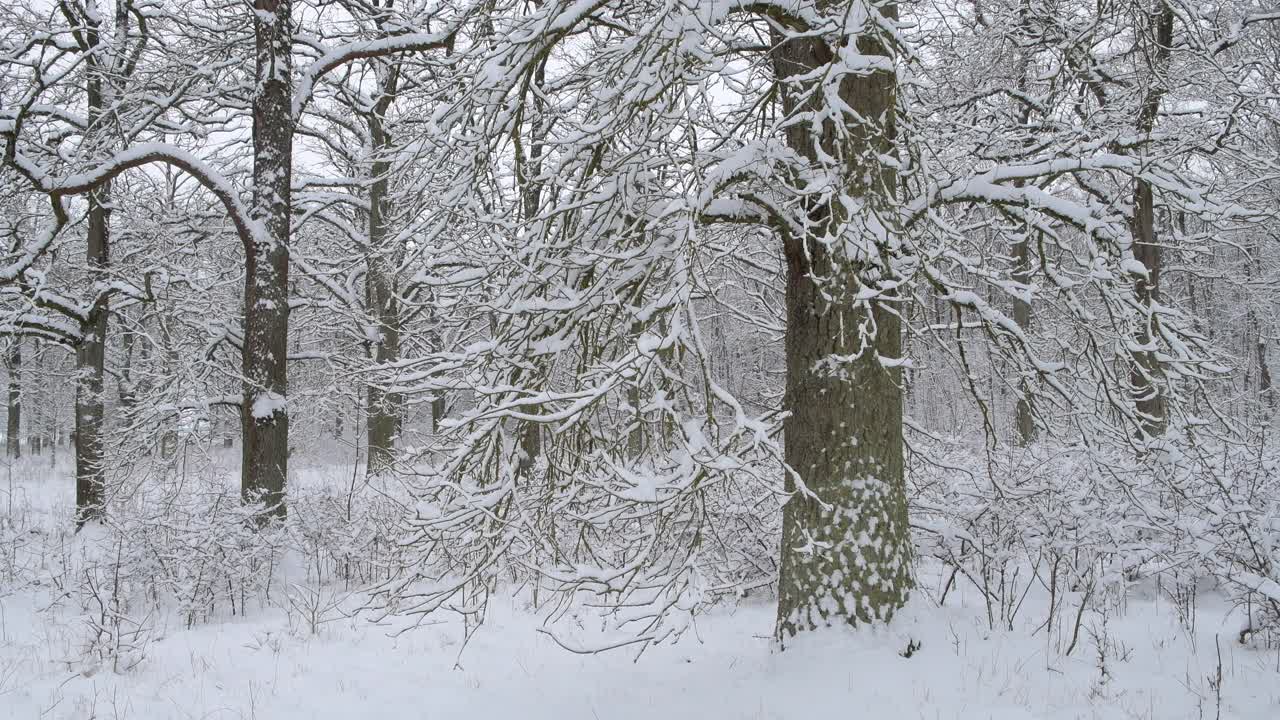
[(1147, 374), (437, 412), (169, 438), (1266, 397), (1256, 337), (1024, 417), (529, 181), (635, 438), (1024, 420), (128, 392), (264, 417), (13, 440), (846, 553), (1264, 375)]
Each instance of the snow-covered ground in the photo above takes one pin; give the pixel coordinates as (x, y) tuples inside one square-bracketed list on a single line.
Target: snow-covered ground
[(1137, 661)]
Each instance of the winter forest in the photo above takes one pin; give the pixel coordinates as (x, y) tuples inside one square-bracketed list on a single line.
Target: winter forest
[(619, 359)]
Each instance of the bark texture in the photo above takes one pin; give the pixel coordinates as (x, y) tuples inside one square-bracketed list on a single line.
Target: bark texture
[(846, 553), (383, 407), (1024, 412), (13, 436), (90, 364), (264, 417), (91, 350), (438, 410), (1024, 418), (1147, 375)]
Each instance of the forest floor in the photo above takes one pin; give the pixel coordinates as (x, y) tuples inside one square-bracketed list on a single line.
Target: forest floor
[(1137, 661)]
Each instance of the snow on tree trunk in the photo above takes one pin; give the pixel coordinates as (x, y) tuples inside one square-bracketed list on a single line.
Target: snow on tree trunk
[(846, 546), (1254, 323), (90, 362), (91, 350), (437, 412), (1024, 416), (384, 408), (1147, 375), (13, 437), (1024, 420), (265, 418)]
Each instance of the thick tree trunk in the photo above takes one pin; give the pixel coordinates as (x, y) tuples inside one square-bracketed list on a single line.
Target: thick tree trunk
[(846, 546), (90, 362), (530, 449), (13, 438), (264, 417), (384, 408), (91, 352)]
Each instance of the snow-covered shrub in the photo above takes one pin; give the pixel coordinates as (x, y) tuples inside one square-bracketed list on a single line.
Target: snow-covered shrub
[(1090, 522), (343, 534), (175, 545), (117, 622)]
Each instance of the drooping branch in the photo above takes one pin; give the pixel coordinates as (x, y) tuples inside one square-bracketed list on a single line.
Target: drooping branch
[(365, 50), (136, 156)]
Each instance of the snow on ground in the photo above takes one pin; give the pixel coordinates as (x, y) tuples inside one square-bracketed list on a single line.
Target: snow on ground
[(266, 669), (1138, 662)]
